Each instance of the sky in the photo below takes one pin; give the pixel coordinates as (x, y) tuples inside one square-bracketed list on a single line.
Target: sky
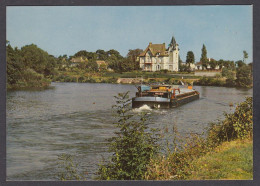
[(226, 30)]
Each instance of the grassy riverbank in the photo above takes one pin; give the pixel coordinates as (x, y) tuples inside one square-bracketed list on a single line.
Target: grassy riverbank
[(229, 161), (145, 77), (226, 152)]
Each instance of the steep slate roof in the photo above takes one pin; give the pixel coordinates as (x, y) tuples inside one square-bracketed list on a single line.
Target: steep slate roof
[(155, 48), (173, 42)]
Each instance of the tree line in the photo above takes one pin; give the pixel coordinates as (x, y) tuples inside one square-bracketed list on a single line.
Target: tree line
[(212, 63), (31, 66), (113, 58)]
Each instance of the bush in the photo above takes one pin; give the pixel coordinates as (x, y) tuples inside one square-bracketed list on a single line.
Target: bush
[(238, 125), (244, 76), (112, 80), (230, 82), (90, 80), (67, 79), (81, 79), (133, 146), (164, 71)]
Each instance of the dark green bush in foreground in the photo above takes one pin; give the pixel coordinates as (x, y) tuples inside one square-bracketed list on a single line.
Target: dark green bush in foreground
[(237, 125), (132, 147)]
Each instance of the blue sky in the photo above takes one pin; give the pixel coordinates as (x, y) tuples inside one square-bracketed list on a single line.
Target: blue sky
[(225, 30)]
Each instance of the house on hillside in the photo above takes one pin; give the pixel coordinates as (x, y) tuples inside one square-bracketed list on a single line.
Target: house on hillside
[(156, 57), (75, 61), (101, 64)]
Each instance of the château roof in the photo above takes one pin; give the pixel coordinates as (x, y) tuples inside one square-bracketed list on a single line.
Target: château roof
[(155, 49)]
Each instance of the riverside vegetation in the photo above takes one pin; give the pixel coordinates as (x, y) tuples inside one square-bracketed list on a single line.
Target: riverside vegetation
[(225, 151), (32, 67)]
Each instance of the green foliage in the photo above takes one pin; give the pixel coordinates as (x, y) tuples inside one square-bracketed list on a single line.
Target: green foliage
[(15, 66), (204, 58), (213, 64), (101, 55), (226, 72), (179, 161), (29, 67), (84, 53), (230, 81), (37, 59), (133, 146), (132, 55), (126, 65), (92, 66), (174, 164), (237, 125), (190, 57), (69, 169), (240, 63), (164, 71), (244, 76), (245, 56), (91, 80)]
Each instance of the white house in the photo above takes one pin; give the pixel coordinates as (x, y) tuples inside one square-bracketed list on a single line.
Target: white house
[(156, 57), (198, 65)]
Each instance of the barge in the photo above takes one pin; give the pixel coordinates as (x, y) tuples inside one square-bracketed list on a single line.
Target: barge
[(163, 96)]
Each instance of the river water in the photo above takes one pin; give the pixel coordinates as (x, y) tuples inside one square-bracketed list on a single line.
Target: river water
[(76, 119)]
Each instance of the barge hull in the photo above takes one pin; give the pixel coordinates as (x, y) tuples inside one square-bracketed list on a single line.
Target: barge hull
[(182, 101), (139, 102)]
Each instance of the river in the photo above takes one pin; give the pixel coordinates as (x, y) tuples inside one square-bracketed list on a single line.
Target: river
[(76, 119)]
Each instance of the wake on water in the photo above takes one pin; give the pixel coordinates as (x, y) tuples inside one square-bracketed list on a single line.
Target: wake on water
[(142, 108)]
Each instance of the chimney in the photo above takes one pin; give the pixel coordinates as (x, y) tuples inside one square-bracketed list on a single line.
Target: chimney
[(150, 43)]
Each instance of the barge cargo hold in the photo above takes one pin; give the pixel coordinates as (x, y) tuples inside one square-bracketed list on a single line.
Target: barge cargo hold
[(163, 96)]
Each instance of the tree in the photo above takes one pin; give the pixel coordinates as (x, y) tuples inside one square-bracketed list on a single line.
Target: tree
[(240, 63), (84, 53), (92, 65), (220, 63), (28, 66), (213, 64), (244, 76), (15, 66), (113, 63), (132, 55), (101, 54), (38, 59), (81, 53), (204, 58), (245, 56), (115, 53), (126, 65), (190, 58)]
